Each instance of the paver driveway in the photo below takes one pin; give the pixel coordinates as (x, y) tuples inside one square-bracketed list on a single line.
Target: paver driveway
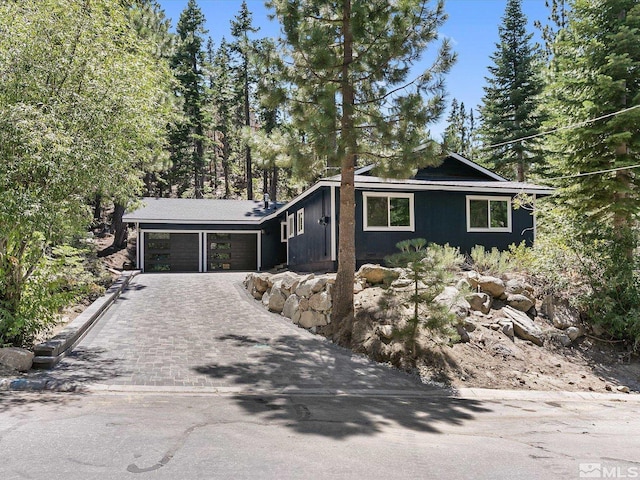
[(204, 330)]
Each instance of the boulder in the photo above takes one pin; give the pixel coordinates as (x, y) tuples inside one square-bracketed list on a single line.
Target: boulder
[(519, 302), (357, 287), (304, 304), (561, 339), (469, 326), (491, 285), (310, 319), (257, 294), (452, 298), (519, 287), (261, 281), (560, 312), (480, 302), (462, 333), (276, 300), (286, 279), (320, 302), (523, 326), (574, 333), (507, 328), (265, 298), (304, 289), (290, 306), (385, 331), (376, 274), (473, 278), (16, 358), (278, 285)]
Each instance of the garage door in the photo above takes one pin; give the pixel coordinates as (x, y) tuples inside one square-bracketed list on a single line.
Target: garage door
[(232, 251), (171, 252)]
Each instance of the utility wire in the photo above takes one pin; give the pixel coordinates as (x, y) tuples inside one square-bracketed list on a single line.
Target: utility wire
[(567, 127)]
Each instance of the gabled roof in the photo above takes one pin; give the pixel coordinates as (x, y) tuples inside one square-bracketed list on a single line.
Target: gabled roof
[(491, 183), (202, 211)]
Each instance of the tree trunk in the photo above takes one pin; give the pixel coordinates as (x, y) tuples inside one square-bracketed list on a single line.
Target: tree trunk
[(343, 289), (119, 228), (247, 122), (274, 184), (97, 209)]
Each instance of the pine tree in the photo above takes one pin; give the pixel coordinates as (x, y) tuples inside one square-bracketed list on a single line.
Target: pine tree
[(188, 137), (351, 65), (224, 92), (241, 26), (459, 135), (557, 21), (510, 106), (595, 71)]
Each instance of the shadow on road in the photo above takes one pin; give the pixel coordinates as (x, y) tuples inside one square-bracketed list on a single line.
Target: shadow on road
[(377, 396)]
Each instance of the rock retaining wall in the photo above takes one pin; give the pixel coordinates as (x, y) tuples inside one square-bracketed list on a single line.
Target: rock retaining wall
[(503, 304)]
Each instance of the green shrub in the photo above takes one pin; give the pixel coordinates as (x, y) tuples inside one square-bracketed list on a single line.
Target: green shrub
[(68, 274), (430, 270)]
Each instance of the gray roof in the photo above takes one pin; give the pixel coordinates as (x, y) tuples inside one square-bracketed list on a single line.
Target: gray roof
[(189, 210)]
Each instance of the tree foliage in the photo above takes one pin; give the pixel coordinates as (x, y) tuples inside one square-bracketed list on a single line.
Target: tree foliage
[(595, 71), (510, 106), (72, 124), (353, 98), (459, 136)]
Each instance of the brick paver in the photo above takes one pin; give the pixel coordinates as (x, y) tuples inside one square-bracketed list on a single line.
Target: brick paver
[(204, 330)]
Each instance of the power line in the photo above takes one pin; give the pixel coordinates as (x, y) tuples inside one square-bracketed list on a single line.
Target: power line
[(567, 127), (593, 173)]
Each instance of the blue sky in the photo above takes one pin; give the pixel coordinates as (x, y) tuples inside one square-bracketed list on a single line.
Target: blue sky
[(472, 28)]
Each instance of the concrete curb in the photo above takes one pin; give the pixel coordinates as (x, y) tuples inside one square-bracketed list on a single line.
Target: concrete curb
[(49, 353), (544, 395)]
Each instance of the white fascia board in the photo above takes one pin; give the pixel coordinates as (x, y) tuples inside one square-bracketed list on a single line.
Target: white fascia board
[(477, 167), (452, 188)]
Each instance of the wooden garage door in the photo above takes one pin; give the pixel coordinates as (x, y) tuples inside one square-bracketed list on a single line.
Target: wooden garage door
[(171, 252), (232, 251)]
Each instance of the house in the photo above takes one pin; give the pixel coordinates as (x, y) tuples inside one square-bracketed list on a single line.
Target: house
[(458, 202)]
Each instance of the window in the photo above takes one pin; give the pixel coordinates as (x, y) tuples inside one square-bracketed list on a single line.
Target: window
[(300, 221), (283, 232), (388, 211), (488, 214), (291, 226)]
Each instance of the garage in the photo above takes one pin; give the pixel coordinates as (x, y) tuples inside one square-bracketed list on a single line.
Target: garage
[(205, 235), (232, 251), (171, 252)]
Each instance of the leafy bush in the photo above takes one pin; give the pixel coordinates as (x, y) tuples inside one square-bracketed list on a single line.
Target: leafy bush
[(67, 275), (610, 266), (493, 262)]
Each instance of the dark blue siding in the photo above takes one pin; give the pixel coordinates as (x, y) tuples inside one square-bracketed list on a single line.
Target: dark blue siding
[(440, 217), (311, 251), (451, 169)]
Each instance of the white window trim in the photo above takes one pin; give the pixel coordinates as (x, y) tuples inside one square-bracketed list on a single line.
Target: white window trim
[(408, 228), (300, 221), (283, 232), (507, 229), (291, 223)]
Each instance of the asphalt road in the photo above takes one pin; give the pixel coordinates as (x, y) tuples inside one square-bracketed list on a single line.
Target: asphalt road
[(181, 436)]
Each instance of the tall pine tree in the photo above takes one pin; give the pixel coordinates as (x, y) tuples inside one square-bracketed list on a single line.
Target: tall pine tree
[(188, 138), (351, 72), (595, 71), (241, 26), (509, 109)]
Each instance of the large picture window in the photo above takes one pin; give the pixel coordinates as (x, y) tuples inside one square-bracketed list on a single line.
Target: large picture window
[(388, 211), (488, 214)]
